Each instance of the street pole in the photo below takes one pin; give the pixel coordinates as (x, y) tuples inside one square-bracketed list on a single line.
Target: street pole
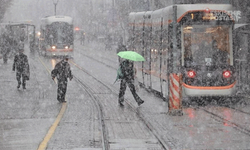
[(148, 3), (175, 51), (55, 3), (175, 88), (113, 7)]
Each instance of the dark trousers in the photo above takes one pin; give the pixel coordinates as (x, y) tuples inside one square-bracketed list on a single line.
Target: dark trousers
[(20, 75), (61, 90), (131, 86)]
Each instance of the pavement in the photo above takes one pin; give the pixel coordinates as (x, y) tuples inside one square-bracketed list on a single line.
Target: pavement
[(193, 130), (23, 112)]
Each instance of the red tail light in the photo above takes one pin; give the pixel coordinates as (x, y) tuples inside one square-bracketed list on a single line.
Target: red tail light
[(191, 74), (226, 74)]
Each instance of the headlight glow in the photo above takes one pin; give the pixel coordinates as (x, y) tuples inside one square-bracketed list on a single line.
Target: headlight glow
[(53, 47)]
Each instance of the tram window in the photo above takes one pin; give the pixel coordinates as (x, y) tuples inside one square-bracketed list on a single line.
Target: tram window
[(199, 44)]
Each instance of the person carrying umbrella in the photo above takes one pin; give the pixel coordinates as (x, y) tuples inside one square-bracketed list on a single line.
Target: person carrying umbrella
[(127, 69)]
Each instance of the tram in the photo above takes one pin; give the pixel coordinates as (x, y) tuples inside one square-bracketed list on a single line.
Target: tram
[(204, 42), (57, 36)]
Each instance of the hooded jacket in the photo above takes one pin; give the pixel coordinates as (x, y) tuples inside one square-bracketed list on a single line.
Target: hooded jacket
[(62, 71)]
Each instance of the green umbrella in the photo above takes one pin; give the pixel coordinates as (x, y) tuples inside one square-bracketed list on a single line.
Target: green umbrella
[(131, 55)]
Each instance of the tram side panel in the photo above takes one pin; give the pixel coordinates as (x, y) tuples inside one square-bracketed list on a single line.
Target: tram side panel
[(195, 27), (138, 44), (241, 51), (156, 51)]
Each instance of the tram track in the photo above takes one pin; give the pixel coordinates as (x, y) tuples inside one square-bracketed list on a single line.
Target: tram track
[(105, 141), (224, 120), (43, 145), (215, 116), (238, 110), (91, 93), (101, 62), (100, 111)]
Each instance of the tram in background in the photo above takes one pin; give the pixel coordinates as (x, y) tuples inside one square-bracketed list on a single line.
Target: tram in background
[(57, 36), (197, 27)]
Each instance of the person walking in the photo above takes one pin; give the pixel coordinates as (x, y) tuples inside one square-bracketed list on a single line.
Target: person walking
[(62, 72), (21, 65), (127, 69)]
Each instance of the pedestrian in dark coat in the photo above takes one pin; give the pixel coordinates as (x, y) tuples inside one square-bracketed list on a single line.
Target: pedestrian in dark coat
[(21, 65), (62, 72), (127, 69)]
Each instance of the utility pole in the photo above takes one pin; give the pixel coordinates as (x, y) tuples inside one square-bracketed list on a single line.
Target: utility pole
[(55, 3), (175, 98), (148, 5), (113, 11)]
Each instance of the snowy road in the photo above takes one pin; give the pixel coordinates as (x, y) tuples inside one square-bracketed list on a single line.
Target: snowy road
[(26, 116)]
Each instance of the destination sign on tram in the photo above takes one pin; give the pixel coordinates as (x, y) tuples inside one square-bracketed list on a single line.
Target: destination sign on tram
[(212, 15)]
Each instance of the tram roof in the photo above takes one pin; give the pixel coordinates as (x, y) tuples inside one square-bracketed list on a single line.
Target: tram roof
[(182, 9), (50, 19)]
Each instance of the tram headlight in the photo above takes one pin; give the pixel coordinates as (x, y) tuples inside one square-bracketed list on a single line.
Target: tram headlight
[(38, 34), (53, 47), (191, 73), (226, 74), (66, 47)]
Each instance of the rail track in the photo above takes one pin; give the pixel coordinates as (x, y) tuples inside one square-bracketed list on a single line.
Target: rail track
[(101, 107), (105, 89), (213, 115), (87, 87)]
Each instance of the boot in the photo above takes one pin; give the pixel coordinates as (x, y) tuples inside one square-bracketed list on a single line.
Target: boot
[(140, 102), (121, 101), (24, 86), (18, 86)]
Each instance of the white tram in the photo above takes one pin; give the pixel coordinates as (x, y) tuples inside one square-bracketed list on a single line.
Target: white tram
[(198, 27), (57, 36)]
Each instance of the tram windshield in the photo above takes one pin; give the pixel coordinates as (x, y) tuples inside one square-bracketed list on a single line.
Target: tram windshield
[(60, 33), (206, 45)]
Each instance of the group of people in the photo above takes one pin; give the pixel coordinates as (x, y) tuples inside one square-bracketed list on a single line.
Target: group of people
[(63, 72)]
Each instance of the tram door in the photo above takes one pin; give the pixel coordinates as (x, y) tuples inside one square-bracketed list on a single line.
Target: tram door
[(164, 63), (241, 48), (156, 60)]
